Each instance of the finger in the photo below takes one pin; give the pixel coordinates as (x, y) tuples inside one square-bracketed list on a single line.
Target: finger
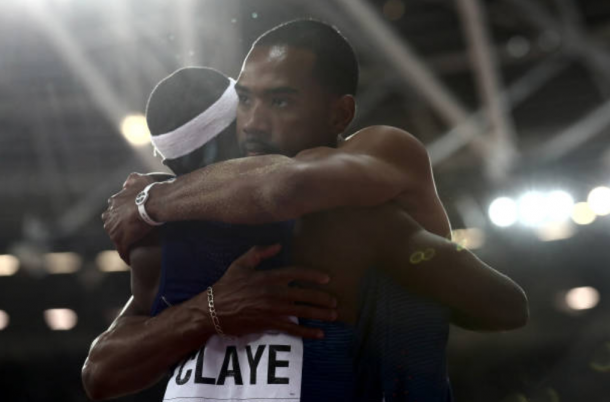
[(296, 330), (130, 179), (290, 274), (255, 255), (310, 296), (302, 311)]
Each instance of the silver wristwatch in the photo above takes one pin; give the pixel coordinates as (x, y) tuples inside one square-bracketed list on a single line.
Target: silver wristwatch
[(141, 199)]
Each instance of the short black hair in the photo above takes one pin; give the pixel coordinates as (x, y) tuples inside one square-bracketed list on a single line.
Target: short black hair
[(178, 99), (336, 63)]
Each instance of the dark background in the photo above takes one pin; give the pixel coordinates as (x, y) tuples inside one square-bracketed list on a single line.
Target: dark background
[(70, 70)]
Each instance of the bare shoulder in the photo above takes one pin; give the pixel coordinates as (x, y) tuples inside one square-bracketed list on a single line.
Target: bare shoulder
[(387, 142)]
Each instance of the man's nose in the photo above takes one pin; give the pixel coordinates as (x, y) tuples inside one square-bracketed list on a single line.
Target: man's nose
[(257, 120)]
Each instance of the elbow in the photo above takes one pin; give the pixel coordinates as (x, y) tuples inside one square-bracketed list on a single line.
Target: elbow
[(522, 312), (93, 382), (516, 311)]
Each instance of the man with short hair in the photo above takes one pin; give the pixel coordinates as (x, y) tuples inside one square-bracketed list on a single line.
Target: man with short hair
[(281, 98)]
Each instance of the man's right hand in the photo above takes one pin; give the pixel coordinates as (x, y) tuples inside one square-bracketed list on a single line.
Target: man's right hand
[(249, 301), (122, 221), (137, 350)]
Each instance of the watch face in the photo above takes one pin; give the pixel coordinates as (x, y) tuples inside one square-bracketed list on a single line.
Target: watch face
[(140, 198)]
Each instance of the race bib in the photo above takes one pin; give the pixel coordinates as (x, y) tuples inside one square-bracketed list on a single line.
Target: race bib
[(254, 368)]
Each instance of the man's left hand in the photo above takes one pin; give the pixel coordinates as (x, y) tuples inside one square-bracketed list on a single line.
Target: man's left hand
[(122, 221)]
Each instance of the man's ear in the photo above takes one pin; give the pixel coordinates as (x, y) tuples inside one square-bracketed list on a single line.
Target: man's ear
[(344, 110)]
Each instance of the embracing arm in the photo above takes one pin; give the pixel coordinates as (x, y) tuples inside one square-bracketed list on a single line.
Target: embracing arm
[(374, 166), (137, 350), (479, 297)]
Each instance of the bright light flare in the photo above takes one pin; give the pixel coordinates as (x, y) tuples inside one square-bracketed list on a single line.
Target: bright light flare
[(582, 214), (559, 206), (537, 209), (470, 238), (9, 265), (599, 200), (552, 231), (60, 319), (582, 298), (503, 212), (532, 208), (4, 319), (135, 130)]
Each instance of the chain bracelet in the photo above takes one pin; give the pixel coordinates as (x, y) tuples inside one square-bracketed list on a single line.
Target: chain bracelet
[(213, 314)]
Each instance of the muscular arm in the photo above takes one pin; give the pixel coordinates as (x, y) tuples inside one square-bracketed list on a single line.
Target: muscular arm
[(137, 350), (376, 165), (480, 298)]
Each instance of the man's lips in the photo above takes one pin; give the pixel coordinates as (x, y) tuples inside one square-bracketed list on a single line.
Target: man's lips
[(252, 148)]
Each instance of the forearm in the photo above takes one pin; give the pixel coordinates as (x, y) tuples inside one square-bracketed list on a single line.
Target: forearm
[(243, 191), (479, 297), (137, 351), (490, 302)]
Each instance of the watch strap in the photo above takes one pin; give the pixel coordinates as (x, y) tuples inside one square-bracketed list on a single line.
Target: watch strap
[(142, 208)]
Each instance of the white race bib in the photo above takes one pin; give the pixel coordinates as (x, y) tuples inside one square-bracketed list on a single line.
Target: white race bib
[(254, 368)]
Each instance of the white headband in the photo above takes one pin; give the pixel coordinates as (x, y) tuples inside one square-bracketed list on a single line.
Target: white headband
[(201, 129)]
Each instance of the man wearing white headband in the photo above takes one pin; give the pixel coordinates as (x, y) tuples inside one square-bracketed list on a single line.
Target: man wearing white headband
[(281, 96)]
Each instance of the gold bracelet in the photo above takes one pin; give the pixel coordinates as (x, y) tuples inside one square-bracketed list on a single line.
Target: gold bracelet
[(213, 314)]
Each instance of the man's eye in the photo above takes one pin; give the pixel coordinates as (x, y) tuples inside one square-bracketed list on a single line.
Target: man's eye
[(243, 99), (279, 102)]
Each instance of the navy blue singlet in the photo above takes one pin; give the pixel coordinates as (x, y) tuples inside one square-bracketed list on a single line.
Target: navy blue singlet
[(401, 341), (396, 352), (197, 254)]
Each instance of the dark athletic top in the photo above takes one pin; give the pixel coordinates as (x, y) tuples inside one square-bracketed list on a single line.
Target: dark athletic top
[(395, 353), (401, 341), (197, 254)]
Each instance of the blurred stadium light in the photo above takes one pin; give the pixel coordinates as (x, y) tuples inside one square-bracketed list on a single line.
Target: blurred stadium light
[(599, 200), (9, 265), (582, 298), (582, 214), (62, 263), (532, 208), (560, 205), (4, 319), (552, 231), (548, 211), (60, 319), (503, 212), (135, 130), (110, 261)]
